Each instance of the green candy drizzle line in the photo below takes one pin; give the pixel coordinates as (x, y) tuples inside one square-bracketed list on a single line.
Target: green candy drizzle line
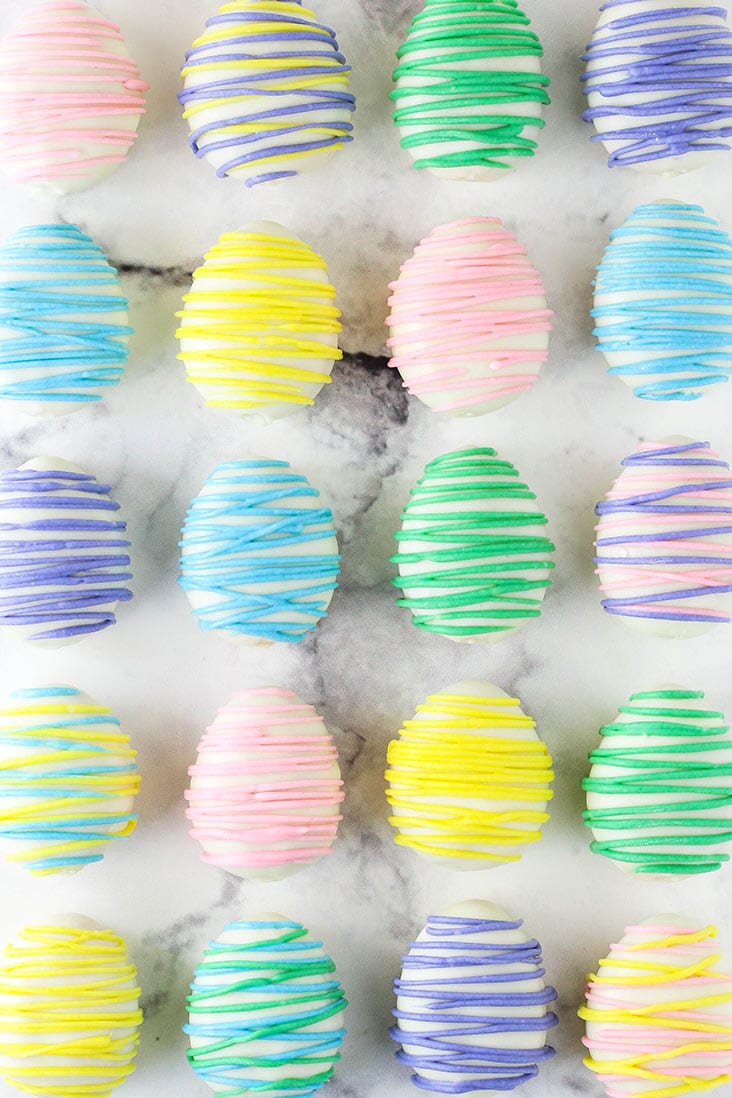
[(487, 594), (467, 105), (696, 814)]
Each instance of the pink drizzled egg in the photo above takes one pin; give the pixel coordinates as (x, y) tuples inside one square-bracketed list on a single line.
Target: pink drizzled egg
[(469, 324), (266, 787)]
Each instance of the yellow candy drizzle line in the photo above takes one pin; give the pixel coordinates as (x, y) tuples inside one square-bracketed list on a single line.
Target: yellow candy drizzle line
[(656, 1015), (253, 329), (433, 759), (67, 985)]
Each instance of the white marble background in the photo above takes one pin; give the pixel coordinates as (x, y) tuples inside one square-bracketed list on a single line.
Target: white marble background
[(363, 444)]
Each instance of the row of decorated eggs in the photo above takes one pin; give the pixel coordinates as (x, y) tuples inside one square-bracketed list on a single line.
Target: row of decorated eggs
[(266, 90)]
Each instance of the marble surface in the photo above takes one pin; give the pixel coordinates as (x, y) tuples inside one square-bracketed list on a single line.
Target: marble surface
[(364, 443)]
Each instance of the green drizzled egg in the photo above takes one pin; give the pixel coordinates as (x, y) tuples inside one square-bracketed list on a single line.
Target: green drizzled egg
[(469, 88), (474, 559), (659, 794)]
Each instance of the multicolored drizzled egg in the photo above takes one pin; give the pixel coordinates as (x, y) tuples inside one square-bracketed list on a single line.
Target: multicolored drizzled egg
[(472, 1009), (64, 559), (259, 327), (259, 556), (266, 91), (469, 88), (659, 794), (474, 560), (469, 326), (68, 779), (70, 97), (658, 1015), (266, 787), (664, 539), (266, 1011), (663, 302), (69, 1010), (468, 778), (658, 81), (64, 336)]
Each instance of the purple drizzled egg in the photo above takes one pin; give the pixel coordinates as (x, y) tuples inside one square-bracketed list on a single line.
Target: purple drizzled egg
[(64, 560)]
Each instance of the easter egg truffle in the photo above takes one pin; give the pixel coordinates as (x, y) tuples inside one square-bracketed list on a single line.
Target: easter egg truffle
[(658, 81), (472, 1004), (469, 326), (664, 540), (659, 1011), (266, 786), (659, 794), (469, 779), (67, 779), (266, 1011), (69, 1014), (266, 91), (473, 559), (259, 328), (663, 302), (63, 554), (469, 88), (259, 556), (70, 97), (63, 321)]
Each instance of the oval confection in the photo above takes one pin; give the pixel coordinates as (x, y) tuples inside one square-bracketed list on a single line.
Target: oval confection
[(266, 91), (68, 780), (266, 1011), (259, 327), (469, 327), (69, 1010), (70, 97), (472, 1003), (474, 562), (658, 1014), (658, 80), (259, 556), (64, 336), (468, 778), (266, 786), (63, 554), (659, 794), (469, 88), (663, 302), (664, 540)]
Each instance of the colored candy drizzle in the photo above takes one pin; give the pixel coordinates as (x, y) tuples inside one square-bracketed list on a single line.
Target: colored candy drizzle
[(455, 789), (64, 769), (236, 544), (69, 1018), (663, 536), (659, 1019), (258, 339), (448, 94), (454, 987), (452, 296), (266, 90), (665, 73), (69, 96), (260, 1004), (62, 559), (267, 790), (60, 349), (673, 310), (677, 807), (480, 569)]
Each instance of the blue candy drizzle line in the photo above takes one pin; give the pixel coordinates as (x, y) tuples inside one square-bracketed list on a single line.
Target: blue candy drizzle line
[(234, 560)]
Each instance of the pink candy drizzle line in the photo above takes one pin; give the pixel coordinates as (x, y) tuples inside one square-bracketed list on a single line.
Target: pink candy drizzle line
[(41, 50), (446, 291), (265, 814)]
